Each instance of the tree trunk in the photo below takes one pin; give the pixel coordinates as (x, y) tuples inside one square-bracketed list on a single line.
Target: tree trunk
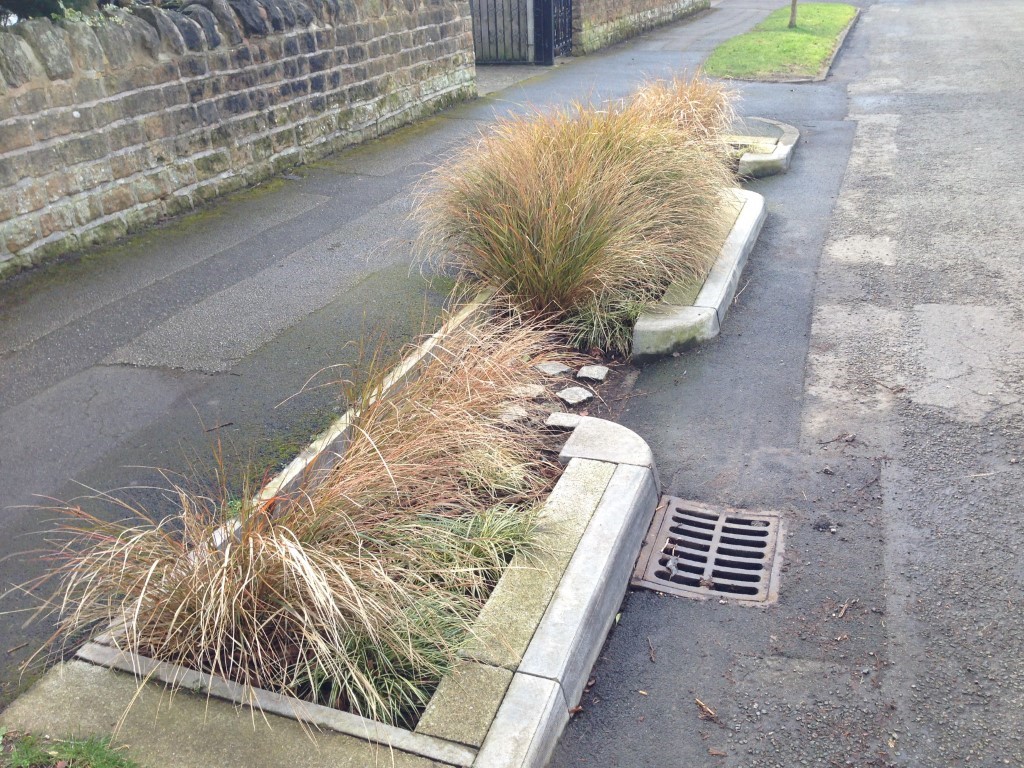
[(792, 15)]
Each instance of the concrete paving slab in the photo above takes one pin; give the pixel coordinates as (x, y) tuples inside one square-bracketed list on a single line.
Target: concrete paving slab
[(464, 705), (80, 699)]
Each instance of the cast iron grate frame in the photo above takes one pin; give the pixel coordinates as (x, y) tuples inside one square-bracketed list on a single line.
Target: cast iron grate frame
[(699, 551)]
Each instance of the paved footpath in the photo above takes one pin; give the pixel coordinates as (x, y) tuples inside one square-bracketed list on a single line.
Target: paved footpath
[(129, 356), (883, 303)]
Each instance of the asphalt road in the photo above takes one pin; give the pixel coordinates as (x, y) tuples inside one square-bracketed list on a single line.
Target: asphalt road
[(868, 386)]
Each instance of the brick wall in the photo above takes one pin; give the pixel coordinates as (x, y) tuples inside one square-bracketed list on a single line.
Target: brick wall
[(107, 127), (599, 23)]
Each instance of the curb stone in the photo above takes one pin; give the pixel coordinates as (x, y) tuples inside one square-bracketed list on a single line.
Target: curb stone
[(668, 328), (756, 165)]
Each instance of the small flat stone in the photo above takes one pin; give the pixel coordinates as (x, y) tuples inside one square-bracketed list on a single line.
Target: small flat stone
[(552, 369), (530, 391), (513, 414), (562, 420), (593, 372), (575, 395)]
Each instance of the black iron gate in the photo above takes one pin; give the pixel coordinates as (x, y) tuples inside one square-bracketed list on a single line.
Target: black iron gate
[(562, 11), (552, 21)]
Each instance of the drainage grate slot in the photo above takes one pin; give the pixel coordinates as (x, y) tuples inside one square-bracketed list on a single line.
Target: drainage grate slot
[(756, 532), (697, 551), (743, 565), (698, 514), (742, 542), (694, 524)]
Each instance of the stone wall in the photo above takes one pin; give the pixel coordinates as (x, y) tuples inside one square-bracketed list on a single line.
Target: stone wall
[(108, 126), (599, 23)]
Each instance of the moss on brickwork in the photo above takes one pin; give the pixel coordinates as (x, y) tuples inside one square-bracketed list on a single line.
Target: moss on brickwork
[(200, 106), (607, 25)]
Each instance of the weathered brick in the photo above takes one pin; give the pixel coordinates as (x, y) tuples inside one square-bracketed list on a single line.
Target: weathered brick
[(81, 149), (234, 104), (130, 162), (16, 134), (117, 199), (91, 175), (60, 122), (57, 185), (208, 114), (20, 231), (145, 102), (105, 231), (103, 114), (127, 133), (283, 139), (192, 143), (155, 185), (56, 218), (211, 164), (175, 94), (241, 57), (31, 102), (242, 81)]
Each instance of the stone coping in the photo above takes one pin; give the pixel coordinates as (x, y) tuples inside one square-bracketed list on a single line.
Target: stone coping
[(759, 164), (670, 327)]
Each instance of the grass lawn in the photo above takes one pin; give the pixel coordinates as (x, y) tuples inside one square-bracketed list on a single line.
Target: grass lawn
[(772, 51), (28, 751)]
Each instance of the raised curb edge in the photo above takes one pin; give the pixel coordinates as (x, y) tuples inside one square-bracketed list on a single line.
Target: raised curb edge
[(756, 165), (668, 328)]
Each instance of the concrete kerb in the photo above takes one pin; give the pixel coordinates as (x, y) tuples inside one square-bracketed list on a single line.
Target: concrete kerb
[(668, 328), (823, 72), (757, 165)]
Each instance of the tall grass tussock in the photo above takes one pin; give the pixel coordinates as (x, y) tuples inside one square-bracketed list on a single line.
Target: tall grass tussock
[(357, 591), (587, 215)]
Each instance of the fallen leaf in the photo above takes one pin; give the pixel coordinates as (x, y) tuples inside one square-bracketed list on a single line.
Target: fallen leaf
[(717, 752), (575, 710)]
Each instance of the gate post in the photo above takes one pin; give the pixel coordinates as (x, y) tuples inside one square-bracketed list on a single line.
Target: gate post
[(544, 31)]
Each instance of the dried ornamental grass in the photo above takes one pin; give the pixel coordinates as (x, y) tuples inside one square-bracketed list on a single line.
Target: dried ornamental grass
[(357, 592), (700, 109), (584, 215)]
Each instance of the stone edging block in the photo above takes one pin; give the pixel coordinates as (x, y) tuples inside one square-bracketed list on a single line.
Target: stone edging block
[(668, 328), (757, 165)]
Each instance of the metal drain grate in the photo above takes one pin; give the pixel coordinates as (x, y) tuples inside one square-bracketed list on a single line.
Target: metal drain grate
[(697, 551)]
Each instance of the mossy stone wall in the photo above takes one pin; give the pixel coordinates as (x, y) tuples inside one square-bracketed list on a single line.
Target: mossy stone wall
[(107, 127), (600, 23)]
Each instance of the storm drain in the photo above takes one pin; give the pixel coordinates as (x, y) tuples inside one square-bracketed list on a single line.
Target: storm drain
[(694, 550)]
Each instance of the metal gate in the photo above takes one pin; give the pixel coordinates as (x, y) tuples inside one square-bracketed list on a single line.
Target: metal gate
[(562, 10)]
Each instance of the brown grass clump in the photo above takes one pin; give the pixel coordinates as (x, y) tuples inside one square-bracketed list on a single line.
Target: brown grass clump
[(357, 592), (700, 109), (586, 215)]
